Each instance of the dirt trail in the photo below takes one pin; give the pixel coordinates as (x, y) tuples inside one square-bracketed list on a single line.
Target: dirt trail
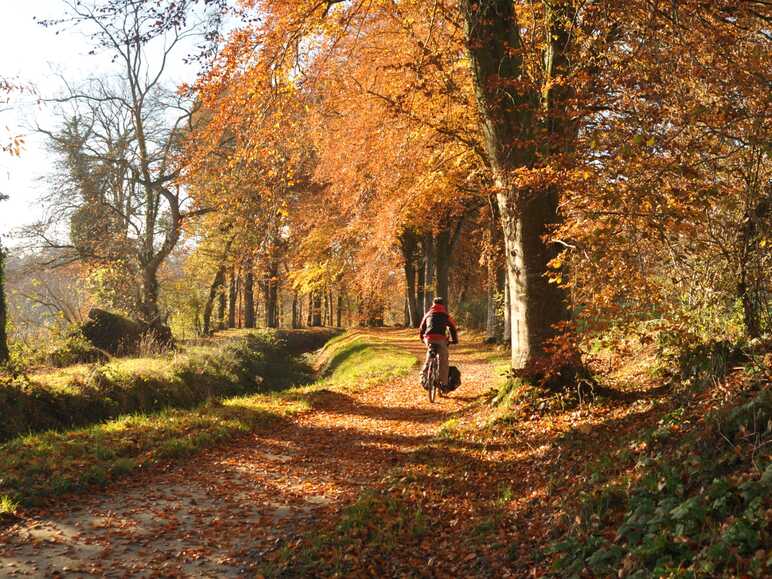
[(222, 512)]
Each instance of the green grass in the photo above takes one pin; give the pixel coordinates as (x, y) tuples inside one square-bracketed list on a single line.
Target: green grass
[(8, 506), (448, 429), (41, 465), (352, 361), (233, 363), (501, 369)]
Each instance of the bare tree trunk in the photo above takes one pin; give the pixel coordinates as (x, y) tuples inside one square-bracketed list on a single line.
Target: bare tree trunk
[(339, 310), (445, 244), (496, 273), (280, 306), (507, 336), (316, 309), (491, 321), (295, 313), (756, 220), (271, 295), (149, 297), (420, 289), (216, 290), (330, 310), (442, 254), (221, 308)]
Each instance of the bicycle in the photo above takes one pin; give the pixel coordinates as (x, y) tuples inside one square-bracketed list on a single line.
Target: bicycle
[(433, 373)]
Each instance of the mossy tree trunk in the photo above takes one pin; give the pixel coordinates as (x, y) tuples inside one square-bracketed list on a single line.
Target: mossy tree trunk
[(4, 355)]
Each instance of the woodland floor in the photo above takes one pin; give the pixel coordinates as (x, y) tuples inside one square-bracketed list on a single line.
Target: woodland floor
[(486, 500)]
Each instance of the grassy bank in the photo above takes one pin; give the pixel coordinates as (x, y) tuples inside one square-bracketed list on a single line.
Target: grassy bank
[(38, 466), (238, 362)]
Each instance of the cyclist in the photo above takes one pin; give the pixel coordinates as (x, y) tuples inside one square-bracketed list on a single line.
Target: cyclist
[(433, 331)]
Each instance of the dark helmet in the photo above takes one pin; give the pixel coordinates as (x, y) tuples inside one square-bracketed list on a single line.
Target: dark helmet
[(439, 301)]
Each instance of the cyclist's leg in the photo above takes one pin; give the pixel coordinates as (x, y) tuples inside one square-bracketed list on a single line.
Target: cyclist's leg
[(425, 370), (442, 350)]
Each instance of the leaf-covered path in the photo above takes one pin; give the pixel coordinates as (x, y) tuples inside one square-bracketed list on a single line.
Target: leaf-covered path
[(230, 510)]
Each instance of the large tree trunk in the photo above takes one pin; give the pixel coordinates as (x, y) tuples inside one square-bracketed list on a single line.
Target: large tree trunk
[(507, 105), (491, 319), (4, 355), (279, 306), (507, 335), (249, 295), (271, 295), (271, 305), (420, 290), (495, 276), (149, 309), (221, 308), (748, 285), (446, 242)]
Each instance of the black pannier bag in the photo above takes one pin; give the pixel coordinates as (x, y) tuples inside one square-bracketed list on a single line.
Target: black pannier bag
[(454, 379)]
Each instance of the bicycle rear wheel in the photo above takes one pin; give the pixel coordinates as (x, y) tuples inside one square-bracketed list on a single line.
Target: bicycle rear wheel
[(433, 378)]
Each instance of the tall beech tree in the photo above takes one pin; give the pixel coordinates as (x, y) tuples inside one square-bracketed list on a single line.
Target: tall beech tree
[(509, 103)]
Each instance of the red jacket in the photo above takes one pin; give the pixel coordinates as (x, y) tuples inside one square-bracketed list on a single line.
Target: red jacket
[(436, 323)]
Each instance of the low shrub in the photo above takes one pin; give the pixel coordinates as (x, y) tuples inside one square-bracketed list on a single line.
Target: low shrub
[(73, 349), (685, 358)]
